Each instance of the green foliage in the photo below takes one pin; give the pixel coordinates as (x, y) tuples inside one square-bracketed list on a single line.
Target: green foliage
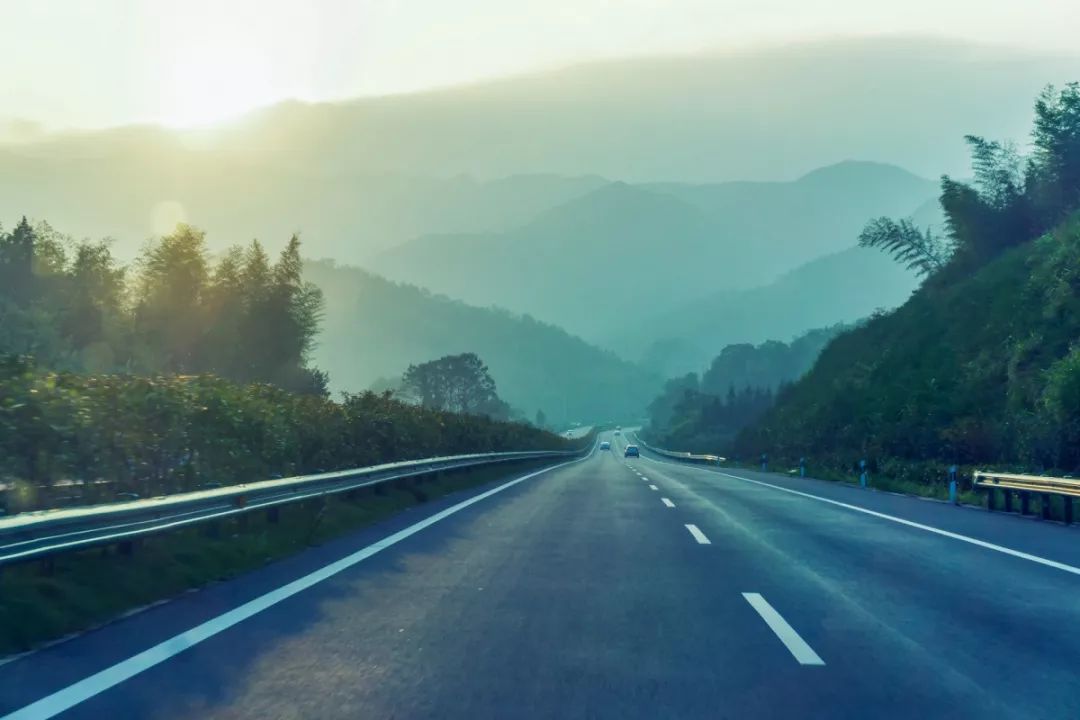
[(913, 248), (1010, 201), (978, 370), (97, 436), (736, 389), (73, 307), (457, 383)]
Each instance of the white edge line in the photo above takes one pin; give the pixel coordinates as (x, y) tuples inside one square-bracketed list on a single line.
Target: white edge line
[(910, 523), (81, 691), (667, 502), (798, 647), (892, 518), (698, 535)]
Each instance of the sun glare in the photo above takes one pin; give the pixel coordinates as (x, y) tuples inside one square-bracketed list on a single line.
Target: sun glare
[(215, 84)]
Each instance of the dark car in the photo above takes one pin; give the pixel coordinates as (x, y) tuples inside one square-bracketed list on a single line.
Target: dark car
[(632, 451)]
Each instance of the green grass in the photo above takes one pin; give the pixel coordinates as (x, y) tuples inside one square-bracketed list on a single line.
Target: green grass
[(49, 599)]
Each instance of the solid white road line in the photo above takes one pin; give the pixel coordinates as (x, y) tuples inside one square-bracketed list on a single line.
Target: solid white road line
[(653, 487), (795, 644), (928, 528), (909, 523), (698, 535), (81, 691), (667, 502)]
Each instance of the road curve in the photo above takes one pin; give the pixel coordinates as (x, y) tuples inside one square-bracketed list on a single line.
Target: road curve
[(583, 592)]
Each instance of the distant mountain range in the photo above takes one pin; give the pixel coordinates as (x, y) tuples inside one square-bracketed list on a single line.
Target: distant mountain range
[(838, 288), (373, 329), (624, 252), (357, 177)]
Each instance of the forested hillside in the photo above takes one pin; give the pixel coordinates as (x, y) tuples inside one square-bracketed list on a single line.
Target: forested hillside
[(374, 329), (704, 413), (982, 364)]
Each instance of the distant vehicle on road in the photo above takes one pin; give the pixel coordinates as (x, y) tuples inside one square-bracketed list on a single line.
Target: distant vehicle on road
[(632, 451), (618, 431), (605, 445)]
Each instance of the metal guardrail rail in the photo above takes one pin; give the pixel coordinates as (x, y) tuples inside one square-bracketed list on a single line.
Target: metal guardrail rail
[(38, 534), (1025, 486), (683, 456)]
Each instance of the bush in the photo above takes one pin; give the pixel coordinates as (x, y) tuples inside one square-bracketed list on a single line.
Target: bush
[(89, 438)]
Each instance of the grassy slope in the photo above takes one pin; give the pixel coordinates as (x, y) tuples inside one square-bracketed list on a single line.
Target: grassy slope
[(954, 375)]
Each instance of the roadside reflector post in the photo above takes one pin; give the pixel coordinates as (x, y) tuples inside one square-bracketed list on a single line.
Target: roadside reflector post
[(863, 478), (952, 486), (764, 462), (802, 467)]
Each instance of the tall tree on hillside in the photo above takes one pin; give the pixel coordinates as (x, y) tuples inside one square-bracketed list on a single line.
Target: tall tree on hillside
[(457, 383)]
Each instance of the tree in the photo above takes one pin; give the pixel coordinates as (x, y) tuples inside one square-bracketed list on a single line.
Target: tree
[(916, 250), (455, 383)]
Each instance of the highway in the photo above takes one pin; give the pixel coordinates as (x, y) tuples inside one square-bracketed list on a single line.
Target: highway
[(610, 588)]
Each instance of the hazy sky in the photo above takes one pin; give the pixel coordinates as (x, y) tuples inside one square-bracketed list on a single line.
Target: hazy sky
[(86, 63)]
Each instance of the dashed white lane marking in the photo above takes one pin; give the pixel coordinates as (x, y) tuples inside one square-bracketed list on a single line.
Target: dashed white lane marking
[(795, 644), (81, 691), (667, 502), (698, 535), (653, 487)]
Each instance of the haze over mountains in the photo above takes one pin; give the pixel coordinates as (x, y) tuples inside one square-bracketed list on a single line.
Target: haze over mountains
[(658, 207), (357, 177), (623, 253)]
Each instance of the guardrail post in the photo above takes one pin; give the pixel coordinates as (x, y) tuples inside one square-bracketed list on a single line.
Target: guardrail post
[(1044, 506), (273, 514), (1025, 503), (990, 499), (1068, 509), (126, 548), (1008, 500)]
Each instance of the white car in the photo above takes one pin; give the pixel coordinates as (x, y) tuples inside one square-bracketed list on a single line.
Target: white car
[(605, 445)]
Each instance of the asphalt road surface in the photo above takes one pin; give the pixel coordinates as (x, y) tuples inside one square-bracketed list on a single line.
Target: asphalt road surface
[(610, 588)]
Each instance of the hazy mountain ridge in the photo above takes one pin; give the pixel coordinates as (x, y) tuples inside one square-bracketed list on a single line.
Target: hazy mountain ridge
[(359, 176), (374, 328), (838, 288), (629, 251)]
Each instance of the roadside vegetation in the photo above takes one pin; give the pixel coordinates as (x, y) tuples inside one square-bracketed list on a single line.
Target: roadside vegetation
[(67, 438), (981, 366)]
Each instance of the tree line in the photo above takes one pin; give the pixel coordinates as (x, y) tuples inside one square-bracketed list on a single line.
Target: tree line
[(1012, 198), (73, 306)]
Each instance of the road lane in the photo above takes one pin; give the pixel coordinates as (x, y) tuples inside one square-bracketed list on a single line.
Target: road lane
[(577, 594), (894, 602)]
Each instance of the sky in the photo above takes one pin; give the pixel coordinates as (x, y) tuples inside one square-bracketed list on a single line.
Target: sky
[(183, 63)]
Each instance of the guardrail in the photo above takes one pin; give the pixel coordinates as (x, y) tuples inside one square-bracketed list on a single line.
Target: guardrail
[(1025, 486), (38, 534), (683, 456)]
